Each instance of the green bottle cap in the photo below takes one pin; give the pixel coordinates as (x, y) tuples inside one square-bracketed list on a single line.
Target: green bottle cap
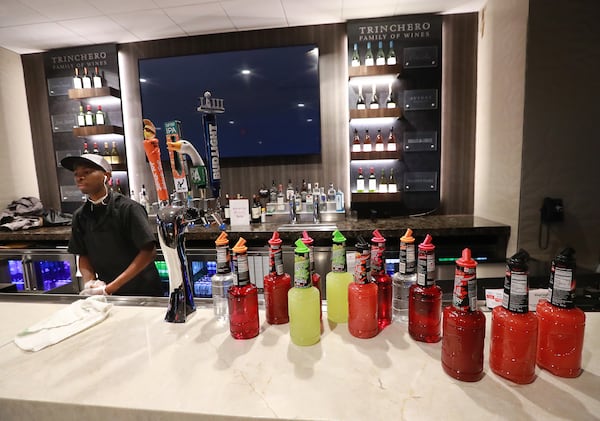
[(338, 237), (301, 247)]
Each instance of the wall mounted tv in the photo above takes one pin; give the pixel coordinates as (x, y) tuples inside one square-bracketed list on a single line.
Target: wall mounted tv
[(271, 98)]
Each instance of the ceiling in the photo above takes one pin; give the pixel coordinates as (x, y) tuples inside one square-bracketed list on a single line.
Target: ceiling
[(29, 26)]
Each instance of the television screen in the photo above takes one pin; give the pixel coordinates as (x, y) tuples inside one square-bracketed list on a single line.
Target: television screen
[(271, 99)]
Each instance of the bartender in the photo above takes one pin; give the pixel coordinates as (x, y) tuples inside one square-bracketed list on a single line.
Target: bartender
[(111, 234)]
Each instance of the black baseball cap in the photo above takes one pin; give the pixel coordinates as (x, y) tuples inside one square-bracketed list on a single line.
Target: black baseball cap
[(88, 160)]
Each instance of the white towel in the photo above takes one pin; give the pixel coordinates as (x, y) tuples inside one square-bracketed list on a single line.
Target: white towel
[(67, 322)]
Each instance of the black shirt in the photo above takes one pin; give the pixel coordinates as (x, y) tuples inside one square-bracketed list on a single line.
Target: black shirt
[(111, 236)]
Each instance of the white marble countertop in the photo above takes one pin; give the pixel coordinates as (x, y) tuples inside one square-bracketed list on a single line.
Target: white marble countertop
[(135, 366)]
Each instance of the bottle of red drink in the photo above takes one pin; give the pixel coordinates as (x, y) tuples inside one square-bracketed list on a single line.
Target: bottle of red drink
[(381, 279), (362, 296), (514, 330), (276, 284), (425, 298), (242, 296), (314, 276), (464, 325), (561, 324)]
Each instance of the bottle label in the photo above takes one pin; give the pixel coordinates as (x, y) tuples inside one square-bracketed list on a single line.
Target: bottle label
[(302, 271), (276, 260), (516, 292), (360, 185), (223, 260), (377, 264), (362, 267), (562, 287), (465, 288), (407, 258), (338, 258), (240, 267), (426, 268)]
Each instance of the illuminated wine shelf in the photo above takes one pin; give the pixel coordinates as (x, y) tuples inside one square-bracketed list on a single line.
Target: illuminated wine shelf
[(382, 112), (355, 156), (385, 70), (94, 93), (376, 197), (97, 130)]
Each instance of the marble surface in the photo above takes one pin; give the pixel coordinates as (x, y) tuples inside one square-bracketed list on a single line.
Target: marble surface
[(135, 366)]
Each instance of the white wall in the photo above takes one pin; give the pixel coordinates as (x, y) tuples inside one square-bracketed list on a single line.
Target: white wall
[(500, 104), (17, 165)]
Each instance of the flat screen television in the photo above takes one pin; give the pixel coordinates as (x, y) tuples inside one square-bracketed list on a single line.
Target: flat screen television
[(271, 99)]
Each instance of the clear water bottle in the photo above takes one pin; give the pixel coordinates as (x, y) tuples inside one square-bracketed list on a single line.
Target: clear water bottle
[(404, 278), (223, 279)]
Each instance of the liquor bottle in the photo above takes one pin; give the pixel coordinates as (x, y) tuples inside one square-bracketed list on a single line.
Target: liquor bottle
[(561, 324), (309, 198), (356, 145), (340, 205), (383, 187), (372, 181), (379, 146), (100, 116), (85, 148), (255, 210), (337, 281), (114, 154), (381, 279), (463, 325), (369, 59), (514, 329), (280, 198), (81, 117), (391, 143), (86, 80), (360, 181), (362, 295), (314, 276), (273, 192), (97, 78), (222, 280), (303, 301), (144, 201), (289, 192), (331, 193), (90, 119), (380, 58), (106, 153), (242, 296), (374, 104), (77, 82), (425, 298), (277, 283), (303, 191), (390, 101), (367, 146), (405, 277), (391, 55), (360, 102), (392, 186), (95, 149), (355, 56)]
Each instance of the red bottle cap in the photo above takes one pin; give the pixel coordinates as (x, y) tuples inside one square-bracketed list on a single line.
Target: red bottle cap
[(427, 245), (275, 240), (465, 260), (306, 239), (377, 237)]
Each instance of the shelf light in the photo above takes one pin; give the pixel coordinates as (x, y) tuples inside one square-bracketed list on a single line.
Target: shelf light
[(372, 80), (376, 121)]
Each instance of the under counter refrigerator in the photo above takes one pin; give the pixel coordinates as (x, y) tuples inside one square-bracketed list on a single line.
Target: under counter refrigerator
[(39, 270)]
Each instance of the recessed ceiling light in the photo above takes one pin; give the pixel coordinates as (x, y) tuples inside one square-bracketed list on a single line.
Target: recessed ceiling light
[(142, 80), (300, 104), (246, 71)]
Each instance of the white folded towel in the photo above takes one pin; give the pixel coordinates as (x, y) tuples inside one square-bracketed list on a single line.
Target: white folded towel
[(67, 322)]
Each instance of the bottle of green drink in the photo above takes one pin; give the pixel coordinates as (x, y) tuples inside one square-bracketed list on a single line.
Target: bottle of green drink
[(337, 281)]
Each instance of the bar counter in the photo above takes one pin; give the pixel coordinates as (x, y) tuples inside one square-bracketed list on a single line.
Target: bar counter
[(135, 366)]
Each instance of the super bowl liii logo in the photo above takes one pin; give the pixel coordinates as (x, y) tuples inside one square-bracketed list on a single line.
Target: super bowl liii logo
[(394, 31)]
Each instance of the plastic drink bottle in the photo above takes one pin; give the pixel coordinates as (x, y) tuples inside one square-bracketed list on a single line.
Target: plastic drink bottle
[(242, 296), (223, 279), (303, 301), (514, 329), (381, 279), (561, 324), (276, 284), (314, 276), (425, 298), (405, 277), (362, 296), (337, 281), (464, 325)]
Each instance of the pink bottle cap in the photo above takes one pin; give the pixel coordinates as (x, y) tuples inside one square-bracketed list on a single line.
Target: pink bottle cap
[(465, 260), (427, 245), (377, 237), (275, 240)]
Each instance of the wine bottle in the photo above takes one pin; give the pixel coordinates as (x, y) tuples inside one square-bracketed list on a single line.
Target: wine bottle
[(391, 144), (118, 186), (77, 82), (372, 181), (106, 153), (85, 148), (100, 117), (222, 280), (360, 102), (383, 187), (81, 117), (277, 283), (242, 296), (391, 56), (367, 147), (355, 56), (114, 154), (90, 118), (374, 104), (255, 210), (392, 186), (379, 146), (97, 78), (337, 281), (95, 149), (380, 59), (360, 181), (86, 80), (390, 102), (369, 59), (356, 145)]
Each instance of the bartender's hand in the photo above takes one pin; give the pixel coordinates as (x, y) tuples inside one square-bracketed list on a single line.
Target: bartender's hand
[(94, 287)]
